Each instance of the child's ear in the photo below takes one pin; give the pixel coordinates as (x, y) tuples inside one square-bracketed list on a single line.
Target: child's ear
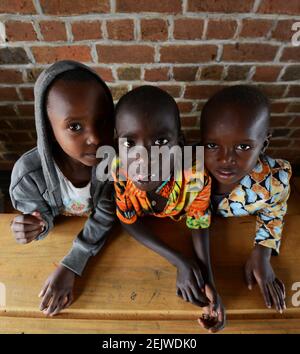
[(266, 142)]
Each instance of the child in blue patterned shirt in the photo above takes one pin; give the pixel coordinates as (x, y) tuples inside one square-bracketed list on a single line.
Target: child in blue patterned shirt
[(235, 135)]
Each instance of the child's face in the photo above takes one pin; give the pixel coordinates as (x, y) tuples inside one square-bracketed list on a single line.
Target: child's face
[(141, 129), (233, 139), (80, 117)]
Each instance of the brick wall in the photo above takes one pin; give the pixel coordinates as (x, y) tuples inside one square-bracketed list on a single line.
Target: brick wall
[(190, 48)]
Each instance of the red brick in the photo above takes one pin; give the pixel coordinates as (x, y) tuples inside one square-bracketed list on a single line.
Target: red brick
[(252, 28), (294, 91), (17, 7), (122, 30), (22, 124), (167, 6), (118, 92), (188, 121), (157, 74), (201, 91), (188, 53), (185, 106), (173, 90), (104, 73), (52, 54), (19, 31), (53, 30), (13, 56), (154, 29), (295, 122), (212, 72), (10, 76), (129, 73), (266, 73), (237, 72), (221, 29), (294, 107), (74, 7), (273, 91), (192, 135), (188, 28), (185, 73), (228, 6), (280, 121), (26, 109), (291, 7), (283, 30), (8, 94), (278, 107), (83, 30), (7, 111), (295, 134), (291, 54), (27, 93), (249, 52), (125, 54), (291, 73)]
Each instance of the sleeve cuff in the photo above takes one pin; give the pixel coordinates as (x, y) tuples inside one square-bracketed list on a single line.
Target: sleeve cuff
[(76, 260)]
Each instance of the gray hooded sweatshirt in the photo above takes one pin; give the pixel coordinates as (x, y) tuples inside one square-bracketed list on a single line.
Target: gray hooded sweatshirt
[(35, 185)]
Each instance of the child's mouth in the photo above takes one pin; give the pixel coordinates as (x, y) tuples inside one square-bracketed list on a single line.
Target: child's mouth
[(225, 174)]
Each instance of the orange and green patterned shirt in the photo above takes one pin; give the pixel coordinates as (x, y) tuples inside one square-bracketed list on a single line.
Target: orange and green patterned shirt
[(184, 199), (264, 192)]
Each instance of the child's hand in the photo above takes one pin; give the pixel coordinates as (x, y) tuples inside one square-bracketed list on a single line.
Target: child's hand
[(190, 284), (27, 228), (258, 268), (57, 292), (214, 315)]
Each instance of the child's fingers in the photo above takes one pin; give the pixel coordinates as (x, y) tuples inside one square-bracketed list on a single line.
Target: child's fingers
[(185, 298), (199, 278), (26, 219), (46, 299), (59, 306), (53, 304), (282, 287), (203, 323), (265, 293), (189, 295), (37, 214), (44, 289), (274, 296), (200, 297), (249, 277), (69, 301), (221, 317), (28, 236), (280, 295), (18, 227)]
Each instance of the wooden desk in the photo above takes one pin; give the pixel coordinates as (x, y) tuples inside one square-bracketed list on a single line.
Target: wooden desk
[(130, 289)]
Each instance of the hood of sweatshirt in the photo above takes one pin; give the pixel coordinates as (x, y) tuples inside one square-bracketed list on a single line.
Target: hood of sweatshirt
[(42, 84)]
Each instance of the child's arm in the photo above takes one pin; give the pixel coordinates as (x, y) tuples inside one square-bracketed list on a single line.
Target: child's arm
[(189, 277), (59, 285), (216, 309), (267, 242)]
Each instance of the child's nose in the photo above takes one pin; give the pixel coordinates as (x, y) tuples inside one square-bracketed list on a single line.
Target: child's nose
[(93, 138), (226, 156)]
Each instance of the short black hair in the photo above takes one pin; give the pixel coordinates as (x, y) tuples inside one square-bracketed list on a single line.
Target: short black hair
[(248, 96), (150, 99)]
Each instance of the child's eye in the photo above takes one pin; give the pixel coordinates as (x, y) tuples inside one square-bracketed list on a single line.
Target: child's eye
[(161, 142), (128, 143), (243, 147), (210, 146), (75, 127)]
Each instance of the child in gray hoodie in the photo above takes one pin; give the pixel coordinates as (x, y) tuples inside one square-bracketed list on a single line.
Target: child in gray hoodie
[(74, 117)]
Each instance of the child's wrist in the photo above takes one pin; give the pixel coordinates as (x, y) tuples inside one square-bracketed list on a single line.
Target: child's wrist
[(263, 251)]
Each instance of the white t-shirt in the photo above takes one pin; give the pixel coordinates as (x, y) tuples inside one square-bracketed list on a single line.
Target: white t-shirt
[(76, 201)]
